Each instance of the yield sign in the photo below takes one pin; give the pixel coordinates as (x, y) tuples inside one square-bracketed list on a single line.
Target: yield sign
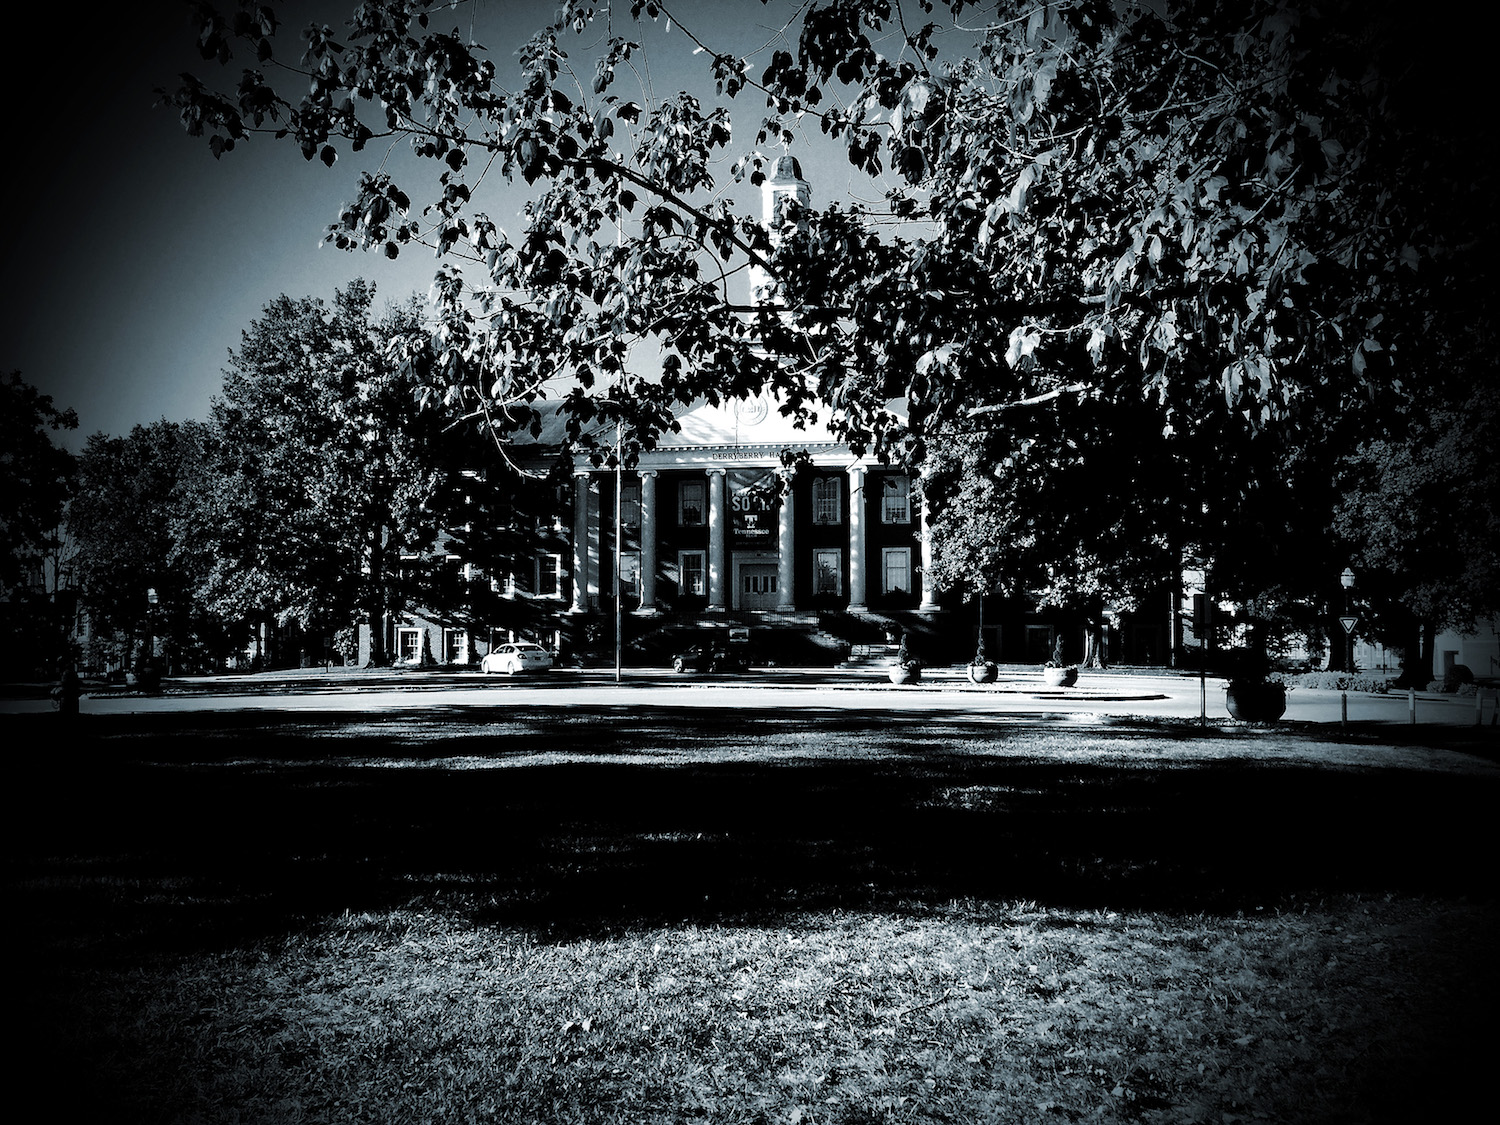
[(1348, 623)]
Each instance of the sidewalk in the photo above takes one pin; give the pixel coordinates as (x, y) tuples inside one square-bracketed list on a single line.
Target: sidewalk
[(1145, 694)]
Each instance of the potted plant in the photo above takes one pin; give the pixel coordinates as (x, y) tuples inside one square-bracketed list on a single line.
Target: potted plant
[(982, 670), (907, 669), (1251, 695), (146, 678), (1056, 671)]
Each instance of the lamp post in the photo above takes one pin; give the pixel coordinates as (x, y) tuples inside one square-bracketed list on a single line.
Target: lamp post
[(151, 602), (1346, 580)]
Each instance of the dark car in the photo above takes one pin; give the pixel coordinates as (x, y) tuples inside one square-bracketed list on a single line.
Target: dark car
[(709, 658)]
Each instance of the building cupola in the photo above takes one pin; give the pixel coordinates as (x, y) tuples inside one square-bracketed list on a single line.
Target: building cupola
[(783, 190)]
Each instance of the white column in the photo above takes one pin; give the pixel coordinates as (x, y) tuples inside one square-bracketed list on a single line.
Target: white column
[(929, 591), (580, 541), (648, 542), (717, 559), (786, 572), (857, 539)]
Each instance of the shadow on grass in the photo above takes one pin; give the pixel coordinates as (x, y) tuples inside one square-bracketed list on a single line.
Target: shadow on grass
[(189, 831)]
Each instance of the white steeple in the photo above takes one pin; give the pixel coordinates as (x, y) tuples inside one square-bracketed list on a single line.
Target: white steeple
[(783, 186)]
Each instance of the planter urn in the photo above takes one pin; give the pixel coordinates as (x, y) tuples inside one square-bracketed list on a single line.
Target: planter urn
[(1060, 677), (1255, 701), (905, 673), (983, 672)]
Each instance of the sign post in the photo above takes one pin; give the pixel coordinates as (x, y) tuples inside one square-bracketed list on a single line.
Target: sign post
[(1200, 627)]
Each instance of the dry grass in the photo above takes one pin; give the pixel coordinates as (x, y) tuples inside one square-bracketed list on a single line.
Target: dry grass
[(1342, 1011), (278, 921)]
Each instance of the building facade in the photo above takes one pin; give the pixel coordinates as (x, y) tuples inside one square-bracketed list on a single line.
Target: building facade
[(711, 523), (711, 531), (708, 532)]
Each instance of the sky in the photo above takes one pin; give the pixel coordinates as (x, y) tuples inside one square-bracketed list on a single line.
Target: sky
[(132, 260)]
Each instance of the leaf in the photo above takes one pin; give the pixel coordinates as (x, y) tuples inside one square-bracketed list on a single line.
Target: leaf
[(1022, 189), (1023, 342), (1041, 84), (937, 357)]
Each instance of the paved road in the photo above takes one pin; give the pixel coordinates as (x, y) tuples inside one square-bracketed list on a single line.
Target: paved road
[(1018, 691)]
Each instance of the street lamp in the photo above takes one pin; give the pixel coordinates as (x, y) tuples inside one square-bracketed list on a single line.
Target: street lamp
[(1346, 580)]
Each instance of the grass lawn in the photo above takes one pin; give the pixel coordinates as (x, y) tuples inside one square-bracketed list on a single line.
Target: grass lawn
[(611, 916)]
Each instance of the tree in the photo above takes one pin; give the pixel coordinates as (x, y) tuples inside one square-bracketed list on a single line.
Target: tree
[(495, 522), (1417, 506), (1019, 514), (1422, 515), (318, 470), (35, 478), (123, 518), (1237, 212)]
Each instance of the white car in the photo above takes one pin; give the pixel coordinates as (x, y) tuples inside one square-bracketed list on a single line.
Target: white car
[(522, 656)]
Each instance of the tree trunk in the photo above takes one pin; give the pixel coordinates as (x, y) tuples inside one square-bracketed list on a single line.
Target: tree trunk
[(375, 606), (1427, 666), (1093, 645), (1416, 657)]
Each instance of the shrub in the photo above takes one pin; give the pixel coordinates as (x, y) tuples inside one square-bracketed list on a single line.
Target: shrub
[(1336, 681), (1456, 678), (346, 644)]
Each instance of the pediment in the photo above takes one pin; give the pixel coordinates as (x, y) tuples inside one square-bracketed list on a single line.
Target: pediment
[(745, 422)]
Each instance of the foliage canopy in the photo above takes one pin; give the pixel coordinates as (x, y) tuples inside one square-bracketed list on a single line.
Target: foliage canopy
[(1203, 220)]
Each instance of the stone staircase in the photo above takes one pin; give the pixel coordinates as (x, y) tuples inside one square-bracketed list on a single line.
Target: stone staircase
[(870, 656)]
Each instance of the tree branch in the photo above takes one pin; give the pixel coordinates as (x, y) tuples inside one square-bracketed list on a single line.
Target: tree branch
[(1035, 400)]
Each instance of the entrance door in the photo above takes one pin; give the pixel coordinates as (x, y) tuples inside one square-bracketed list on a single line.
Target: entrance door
[(1038, 644), (759, 586)]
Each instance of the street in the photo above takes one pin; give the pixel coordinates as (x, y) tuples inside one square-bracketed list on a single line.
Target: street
[(1018, 691)]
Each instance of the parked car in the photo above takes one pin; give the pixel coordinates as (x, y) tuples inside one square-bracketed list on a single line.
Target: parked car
[(520, 656), (710, 658)]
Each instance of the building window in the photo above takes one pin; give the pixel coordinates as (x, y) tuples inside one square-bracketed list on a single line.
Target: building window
[(409, 645), (691, 567), (630, 574), (896, 570), (690, 497), (455, 646), (630, 504), (825, 497), (827, 572), (548, 575), (895, 495), (503, 581)]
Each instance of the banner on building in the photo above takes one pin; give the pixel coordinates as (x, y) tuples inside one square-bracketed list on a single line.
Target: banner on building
[(754, 507)]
